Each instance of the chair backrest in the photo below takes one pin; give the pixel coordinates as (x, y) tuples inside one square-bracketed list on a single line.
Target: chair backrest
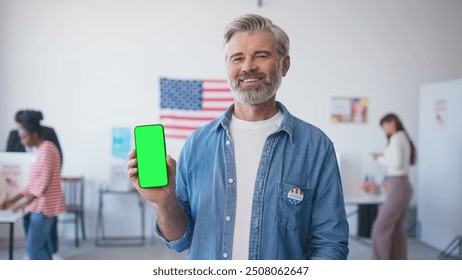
[(73, 188)]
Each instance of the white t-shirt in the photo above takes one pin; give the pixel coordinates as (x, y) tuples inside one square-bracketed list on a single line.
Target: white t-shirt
[(248, 141), (397, 155)]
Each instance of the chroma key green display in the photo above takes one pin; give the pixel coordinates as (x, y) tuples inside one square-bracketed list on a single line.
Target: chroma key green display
[(151, 156)]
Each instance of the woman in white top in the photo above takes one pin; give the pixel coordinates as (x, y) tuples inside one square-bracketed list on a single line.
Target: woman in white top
[(389, 234)]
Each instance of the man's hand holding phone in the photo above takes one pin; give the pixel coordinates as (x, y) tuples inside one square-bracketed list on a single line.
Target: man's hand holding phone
[(152, 172), (159, 196), (171, 219)]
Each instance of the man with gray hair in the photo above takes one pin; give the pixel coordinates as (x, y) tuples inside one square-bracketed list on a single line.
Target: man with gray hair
[(256, 183)]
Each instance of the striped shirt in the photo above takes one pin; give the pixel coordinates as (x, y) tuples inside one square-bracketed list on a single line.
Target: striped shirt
[(45, 182)]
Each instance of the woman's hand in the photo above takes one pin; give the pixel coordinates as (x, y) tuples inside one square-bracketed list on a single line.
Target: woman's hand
[(376, 155), (13, 204), (6, 204), (17, 203)]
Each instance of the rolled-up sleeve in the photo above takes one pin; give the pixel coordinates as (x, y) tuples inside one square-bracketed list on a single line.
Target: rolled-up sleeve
[(180, 244)]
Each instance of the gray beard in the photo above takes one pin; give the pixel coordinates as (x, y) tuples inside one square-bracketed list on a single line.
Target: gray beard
[(254, 97)]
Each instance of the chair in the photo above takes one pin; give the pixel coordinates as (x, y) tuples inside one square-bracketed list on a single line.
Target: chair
[(120, 186), (73, 188)]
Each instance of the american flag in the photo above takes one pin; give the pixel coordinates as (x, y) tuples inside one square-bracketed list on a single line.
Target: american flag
[(186, 105)]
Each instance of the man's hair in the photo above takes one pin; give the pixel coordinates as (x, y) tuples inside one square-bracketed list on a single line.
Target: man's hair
[(253, 23)]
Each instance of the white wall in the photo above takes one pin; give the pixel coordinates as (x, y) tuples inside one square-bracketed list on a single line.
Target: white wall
[(91, 65)]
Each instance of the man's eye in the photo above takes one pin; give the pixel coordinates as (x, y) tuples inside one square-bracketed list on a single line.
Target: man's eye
[(236, 59), (261, 56)]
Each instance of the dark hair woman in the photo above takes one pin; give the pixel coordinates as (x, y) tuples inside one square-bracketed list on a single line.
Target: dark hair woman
[(14, 142), (389, 234), (42, 198)]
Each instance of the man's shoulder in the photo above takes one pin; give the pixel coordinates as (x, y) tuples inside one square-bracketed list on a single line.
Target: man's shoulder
[(308, 131), (303, 131), (205, 131)]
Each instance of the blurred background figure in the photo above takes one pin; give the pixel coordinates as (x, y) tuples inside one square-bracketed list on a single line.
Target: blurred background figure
[(14, 142), (14, 145), (42, 198), (389, 235)]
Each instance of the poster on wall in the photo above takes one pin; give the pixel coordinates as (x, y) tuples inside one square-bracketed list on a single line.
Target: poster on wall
[(14, 173), (440, 112), (121, 142), (349, 110)]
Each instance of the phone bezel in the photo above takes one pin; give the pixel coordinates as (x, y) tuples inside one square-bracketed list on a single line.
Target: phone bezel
[(165, 153)]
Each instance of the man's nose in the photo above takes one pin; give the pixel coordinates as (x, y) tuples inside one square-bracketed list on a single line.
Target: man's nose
[(249, 65)]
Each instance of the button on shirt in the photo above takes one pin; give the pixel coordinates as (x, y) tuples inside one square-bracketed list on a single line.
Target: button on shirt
[(298, 155)]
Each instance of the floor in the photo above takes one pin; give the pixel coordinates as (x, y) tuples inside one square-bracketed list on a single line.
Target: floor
[(153, 249), (360, 249)]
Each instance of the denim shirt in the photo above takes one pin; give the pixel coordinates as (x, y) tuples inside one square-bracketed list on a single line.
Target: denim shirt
[(297, 155)]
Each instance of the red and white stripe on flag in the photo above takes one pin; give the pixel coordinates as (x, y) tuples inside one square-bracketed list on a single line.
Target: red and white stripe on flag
[(180, 123)]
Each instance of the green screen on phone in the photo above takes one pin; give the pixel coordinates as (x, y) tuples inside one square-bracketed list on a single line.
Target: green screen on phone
[(151, 156)]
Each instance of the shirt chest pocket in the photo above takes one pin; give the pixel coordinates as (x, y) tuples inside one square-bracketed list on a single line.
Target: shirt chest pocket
[(294, 206)]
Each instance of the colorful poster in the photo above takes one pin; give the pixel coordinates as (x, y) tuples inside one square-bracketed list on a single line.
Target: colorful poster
[(10, 176), (121, 142), (14, 173), (349, 110), (440, 112)]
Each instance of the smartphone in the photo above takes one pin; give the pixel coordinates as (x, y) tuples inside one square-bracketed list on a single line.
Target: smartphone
[(151, 156)]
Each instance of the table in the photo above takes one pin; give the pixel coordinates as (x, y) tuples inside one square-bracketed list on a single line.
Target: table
[(8, 217), (364, 198), (101, 238), (367, 211)]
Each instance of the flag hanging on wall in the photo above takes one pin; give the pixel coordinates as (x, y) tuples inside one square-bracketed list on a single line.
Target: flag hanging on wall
[(186, 105)]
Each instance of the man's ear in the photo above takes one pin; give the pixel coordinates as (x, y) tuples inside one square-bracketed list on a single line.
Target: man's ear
[(285, 65)]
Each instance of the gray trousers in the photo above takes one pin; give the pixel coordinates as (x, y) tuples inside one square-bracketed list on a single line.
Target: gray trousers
[(389, 234)]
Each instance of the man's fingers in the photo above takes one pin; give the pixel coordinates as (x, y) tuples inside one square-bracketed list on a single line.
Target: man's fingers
[(132, 163), (132, 154), (132, 172), (132, 167), (171, 162), (171, 168)]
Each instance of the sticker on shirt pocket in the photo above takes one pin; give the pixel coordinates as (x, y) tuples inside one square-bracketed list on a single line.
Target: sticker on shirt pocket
[(293, 205), (295, 196)]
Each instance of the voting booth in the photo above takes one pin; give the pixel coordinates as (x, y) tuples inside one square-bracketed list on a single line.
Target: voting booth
[(14, 173)]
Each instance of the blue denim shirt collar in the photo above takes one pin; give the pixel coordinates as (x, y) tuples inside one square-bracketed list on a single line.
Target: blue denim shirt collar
[(286, 126)]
